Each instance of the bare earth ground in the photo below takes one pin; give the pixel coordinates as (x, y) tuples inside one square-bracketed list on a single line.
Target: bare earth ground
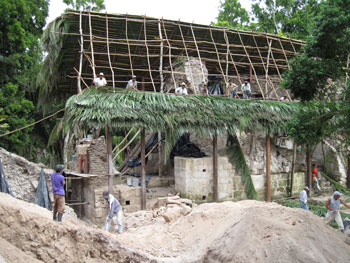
[(246, 231)]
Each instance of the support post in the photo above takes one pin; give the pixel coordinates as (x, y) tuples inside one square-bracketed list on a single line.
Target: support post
[(293, 168), (250, 74), (215, 168), (143, 83), (110, 161), (309, 168), (143, 169), (268, 162)]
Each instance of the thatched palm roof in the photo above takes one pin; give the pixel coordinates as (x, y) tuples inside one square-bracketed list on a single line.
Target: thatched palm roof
[(177, 114), (120, 45)]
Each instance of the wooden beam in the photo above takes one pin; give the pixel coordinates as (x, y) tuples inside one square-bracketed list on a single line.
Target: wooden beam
[(92, 47), (199, 55), (143, 169), (109, 56), (149, 63), (109, 159), (215, 168), (81, 53), (161, 58), (170, 60), (268, 163), (127, 41)]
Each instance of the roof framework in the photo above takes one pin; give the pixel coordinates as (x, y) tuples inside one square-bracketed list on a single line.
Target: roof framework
[(125, 45)]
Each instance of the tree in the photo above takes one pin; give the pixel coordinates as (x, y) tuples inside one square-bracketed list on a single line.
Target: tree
[(14, 105), (284, 16), (86, 5), (232, 14)]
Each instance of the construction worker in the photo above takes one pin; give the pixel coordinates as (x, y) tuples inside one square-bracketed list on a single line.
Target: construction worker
[(132, 83), (82, 152), (246, 90), (182, 90), (333, 206), (57, 181), (100, 81), (115, 209), (303, 198)]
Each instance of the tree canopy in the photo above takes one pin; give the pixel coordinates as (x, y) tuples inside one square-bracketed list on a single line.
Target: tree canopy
[(86, 5)]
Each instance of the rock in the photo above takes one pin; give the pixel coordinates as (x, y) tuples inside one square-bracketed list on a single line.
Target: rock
[(173, 200), (159, 203), (185, 209), (186, 201), (172, 214)]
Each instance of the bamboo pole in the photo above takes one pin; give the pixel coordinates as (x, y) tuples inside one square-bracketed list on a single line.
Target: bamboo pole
[(92, 48), (285, 56), (217, 54), (170, 60), (257, 80), (188, 58), (161, 58), (199, 55), (233, 62), (109, 56), (143, 170), (126, 136), (81, 78), (149, 63), (129, 142), (268, 163), (81, 53), (127, 41), (215, 168)]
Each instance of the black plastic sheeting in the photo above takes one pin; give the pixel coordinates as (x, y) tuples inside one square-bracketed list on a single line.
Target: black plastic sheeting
[(4, 186), (42, 196), (184, 147), (216, 89)]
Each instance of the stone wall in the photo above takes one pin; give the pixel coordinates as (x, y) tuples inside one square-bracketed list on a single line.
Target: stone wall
[(97, 154), (23, 175), (194, 179)]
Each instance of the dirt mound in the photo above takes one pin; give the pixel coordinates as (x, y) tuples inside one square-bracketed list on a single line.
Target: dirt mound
[(246, 231)]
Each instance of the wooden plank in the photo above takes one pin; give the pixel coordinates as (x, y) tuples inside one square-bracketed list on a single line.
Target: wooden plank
[(215, 168), (143, 169)]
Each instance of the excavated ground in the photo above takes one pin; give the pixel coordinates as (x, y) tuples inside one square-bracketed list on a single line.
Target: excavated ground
[(246, 231)]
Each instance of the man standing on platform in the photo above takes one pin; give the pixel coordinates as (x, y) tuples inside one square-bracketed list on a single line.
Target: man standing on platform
[(82, 152), (132, 84), (57, 181), (100, 81)]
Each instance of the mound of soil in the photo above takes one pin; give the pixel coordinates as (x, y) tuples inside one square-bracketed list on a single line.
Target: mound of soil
[(246, 231)]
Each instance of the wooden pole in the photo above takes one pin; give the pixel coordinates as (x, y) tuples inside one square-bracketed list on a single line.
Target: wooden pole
[(143, 169), (143, 83), (199, 54), (293, 168), (161, 58), (109, 56), (170, 60), (268, 162), (81, 53), (309, 168), (218, 56), (127, 41), (92, 48), (109, 159), (149, 63), (233, 62), (215, 168)]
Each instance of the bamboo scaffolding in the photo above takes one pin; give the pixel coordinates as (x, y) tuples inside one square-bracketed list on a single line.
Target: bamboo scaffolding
[(127, 40), (129, 142), (125, 137), (257, 81), (149, 64), (233, 62), (266, 70), (170, 60), (188, 58), (284, 53), (217, 54), (109, 56), (199, 54), (92, 47)]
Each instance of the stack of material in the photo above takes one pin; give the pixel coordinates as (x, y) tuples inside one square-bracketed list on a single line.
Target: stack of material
[(171, 208)]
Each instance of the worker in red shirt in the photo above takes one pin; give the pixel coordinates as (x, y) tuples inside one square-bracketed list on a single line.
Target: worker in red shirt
[(314, 176)]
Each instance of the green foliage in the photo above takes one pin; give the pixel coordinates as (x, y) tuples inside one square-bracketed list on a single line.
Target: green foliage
[(86, 5), (14, 105), (236, 157), (232, 14), (313, 122), (337, 186), (283, 17)]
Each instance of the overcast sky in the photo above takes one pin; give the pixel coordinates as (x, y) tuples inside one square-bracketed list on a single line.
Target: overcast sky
[(198, 11)]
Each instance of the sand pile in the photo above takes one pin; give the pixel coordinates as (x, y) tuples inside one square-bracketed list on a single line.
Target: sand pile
[(246, 231)]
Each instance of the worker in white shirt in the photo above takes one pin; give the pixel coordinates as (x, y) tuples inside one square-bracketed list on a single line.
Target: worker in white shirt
[(132, 84), (181, 90), (333, 205), (303, 198), (100, 81)]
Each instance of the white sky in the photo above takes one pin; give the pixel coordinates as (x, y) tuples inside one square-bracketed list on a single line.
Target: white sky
[(198, 11)]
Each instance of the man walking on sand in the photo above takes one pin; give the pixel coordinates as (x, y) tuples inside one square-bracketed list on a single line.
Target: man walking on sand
[(333, 206), (303, 198), (115, 209), (57, 181)]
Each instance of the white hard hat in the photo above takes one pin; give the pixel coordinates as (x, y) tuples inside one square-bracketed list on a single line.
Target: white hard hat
[(101, 74), (133, 76), (337, 193), (183, 84)]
